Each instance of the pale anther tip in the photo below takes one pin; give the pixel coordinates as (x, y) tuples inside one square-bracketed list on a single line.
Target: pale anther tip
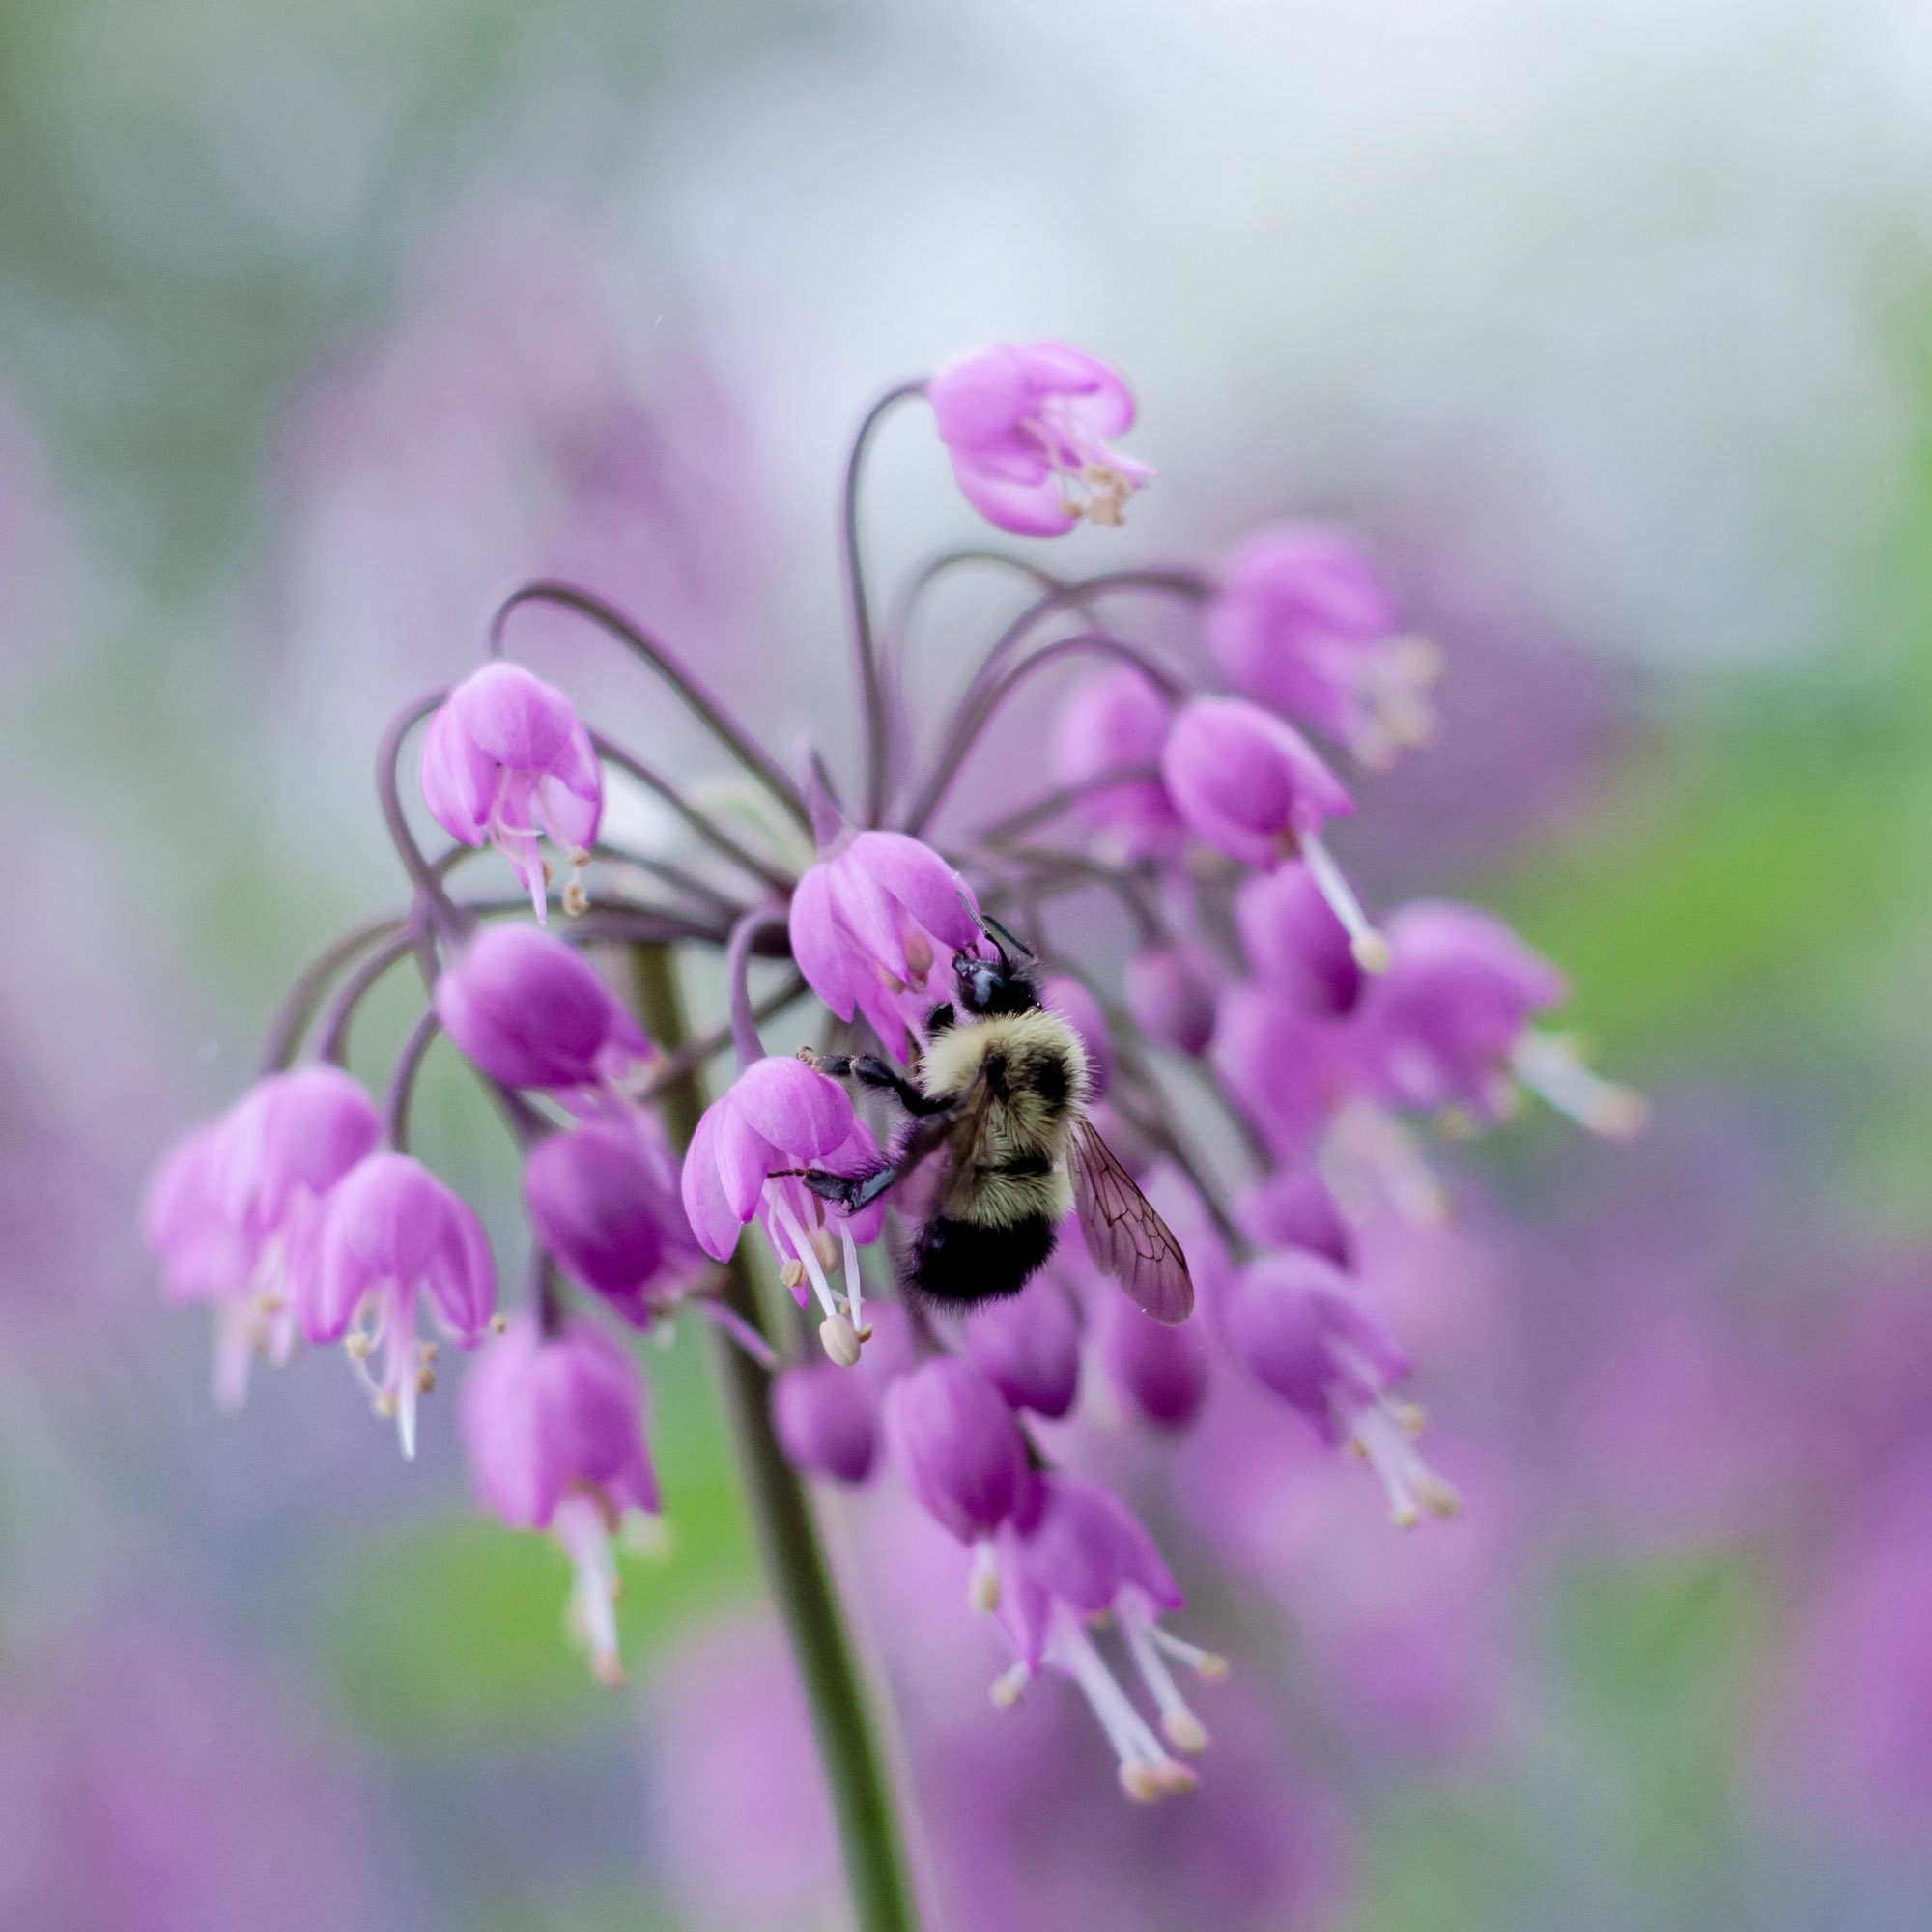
[(1370, 952)]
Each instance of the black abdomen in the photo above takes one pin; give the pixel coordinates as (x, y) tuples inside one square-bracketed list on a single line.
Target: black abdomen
[(963, 1261)]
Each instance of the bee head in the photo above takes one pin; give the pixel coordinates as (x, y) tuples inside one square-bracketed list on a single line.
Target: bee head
[(1000, 985)]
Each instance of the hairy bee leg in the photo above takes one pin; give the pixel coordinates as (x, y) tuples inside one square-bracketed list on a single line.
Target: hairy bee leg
[(853, 1192), (870, 1070)]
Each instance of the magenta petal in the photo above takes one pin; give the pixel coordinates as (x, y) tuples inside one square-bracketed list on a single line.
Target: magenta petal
[(937, 897), (705, 1206), (802, 1113), (462, 1275), (744, 1157), (514, 717), (457, 780), (817, 945), (865, 911), (1036, 509)]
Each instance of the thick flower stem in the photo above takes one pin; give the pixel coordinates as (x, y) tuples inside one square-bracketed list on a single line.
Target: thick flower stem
[(864, 1804)]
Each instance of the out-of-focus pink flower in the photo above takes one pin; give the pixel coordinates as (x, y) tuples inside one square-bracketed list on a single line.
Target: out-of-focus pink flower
[(1074, 1002), (781, 1113), (1160, 1370), (554, 1426), (507, 758), (827, 1420), (1072, 1553), (1029, 1343), (1292, 1208), (531, 1010), (391, 1230), (604, 1199), (1293, 943), (874, 923), (1028, 427), (1303, 1330), (1287, 1070), (1246, 783), (726, 1725), (1170, 992), (232, 1206), (955, 1446), (1117, 721), (1303, 621)]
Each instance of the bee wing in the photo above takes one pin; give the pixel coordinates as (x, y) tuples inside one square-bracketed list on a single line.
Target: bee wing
[(1125, 1237), (939, 1148)]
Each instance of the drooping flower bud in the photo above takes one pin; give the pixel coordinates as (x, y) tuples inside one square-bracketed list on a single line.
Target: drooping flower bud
[(1303, 1330), (1027, 427), (1287, 1070), (531, 1010), (827, 1420), (1253, 787), (955, 1446), (389, 1232), (604, 1200), (1028, 1346), (506, 759), (554, 1430), (1292, 1208), (1117, 721), (1160, 1371), (1170, 992), (1293, 943), (874, 928), (1303, 621)]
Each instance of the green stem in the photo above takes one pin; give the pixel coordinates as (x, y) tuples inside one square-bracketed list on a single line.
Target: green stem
[(856, 1775)]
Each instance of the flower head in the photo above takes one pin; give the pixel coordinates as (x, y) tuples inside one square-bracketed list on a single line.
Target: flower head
[(554, 1426), (781, 1115), (1303, 621), (1112, 723), (391, 1231), (874, 924), (604, 1200), (506, 759), (531, 1010), (1027, 427), (1304, 1332), (1072, 1554)]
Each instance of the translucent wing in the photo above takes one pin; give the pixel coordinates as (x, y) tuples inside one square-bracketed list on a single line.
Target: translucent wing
[(1125, 1237), (937, 1155)]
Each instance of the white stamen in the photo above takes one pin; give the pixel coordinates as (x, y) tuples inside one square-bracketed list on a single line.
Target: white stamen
[(1008, 1686), (1207, 1663), (854, 1289), (1183, 1729), (1369, 947), (1146, 1771), (1372, 1156), (593, 1601), (804, 1251), (982, 1590), (1552, 1068), (1412, 1486)]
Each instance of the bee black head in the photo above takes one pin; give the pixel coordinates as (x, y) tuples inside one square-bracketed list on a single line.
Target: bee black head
[(1002, 985)]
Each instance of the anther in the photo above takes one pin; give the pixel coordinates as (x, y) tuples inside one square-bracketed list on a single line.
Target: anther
[(839, 1340), (575, 901), (499, 1324)]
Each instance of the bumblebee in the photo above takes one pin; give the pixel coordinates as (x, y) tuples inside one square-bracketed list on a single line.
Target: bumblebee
[(997, 1150)]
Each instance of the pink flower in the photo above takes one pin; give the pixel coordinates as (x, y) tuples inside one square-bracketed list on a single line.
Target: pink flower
[(827, 1420), (780, 1113), (554, 1426), (1293, 943), (1288, 1072), (1303, 622), (506, 759), (1074, 1553), (389, 1231), (604, 1200), (231, 1208), (1160, 1371), (873, 924), (1171, 993), (1028, 1345), (955, 1446), (1304, 1332), (1028, 429), (1118, 721), (1292, 1208), (531, 1010)]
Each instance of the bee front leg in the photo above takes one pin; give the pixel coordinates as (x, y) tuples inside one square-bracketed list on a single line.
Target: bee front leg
[(853, 1192), (870, 1070)]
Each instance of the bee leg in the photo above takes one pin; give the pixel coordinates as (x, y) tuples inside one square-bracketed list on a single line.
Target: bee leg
[(870, 1070), (853, 1192)]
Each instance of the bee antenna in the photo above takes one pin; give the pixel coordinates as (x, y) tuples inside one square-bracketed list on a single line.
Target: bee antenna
[(1003, 940)]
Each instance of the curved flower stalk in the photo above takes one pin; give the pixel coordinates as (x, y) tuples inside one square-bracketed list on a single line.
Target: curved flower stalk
[(1256, 980)]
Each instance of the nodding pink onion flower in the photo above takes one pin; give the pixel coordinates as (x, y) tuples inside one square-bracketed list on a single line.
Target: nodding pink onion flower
[(1292, 1208), (1113, 722), (1160, 1371), (1171, 993), (827, 1421), (780, 1114), (1027, 1345), (1027, 427), (1449, 1025), (1303, 621), (231, 1208), (955, 1446), (1073, 1555), (1293, 943), (554, 1426), (874, 928), (391, 1231), (1253, 787), (604, 1199), (1305, 1332), (507, 758), (531, 1010), (1074, 1002), (1288, 1071)]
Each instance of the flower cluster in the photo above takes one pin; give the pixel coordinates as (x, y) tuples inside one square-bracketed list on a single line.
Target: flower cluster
[(1195, 780)]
